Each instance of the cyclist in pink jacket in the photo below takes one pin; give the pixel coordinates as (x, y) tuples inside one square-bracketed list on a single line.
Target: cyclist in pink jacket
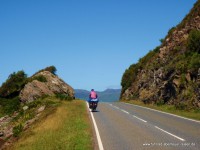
[(93, 100), (93, 94)]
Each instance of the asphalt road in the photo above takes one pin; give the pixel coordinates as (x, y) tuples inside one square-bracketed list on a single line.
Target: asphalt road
[(128, 127)]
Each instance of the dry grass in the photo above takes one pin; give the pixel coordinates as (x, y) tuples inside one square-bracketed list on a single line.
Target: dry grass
[(66, 129)]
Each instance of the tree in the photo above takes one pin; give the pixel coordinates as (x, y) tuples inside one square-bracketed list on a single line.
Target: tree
[(13, 85)]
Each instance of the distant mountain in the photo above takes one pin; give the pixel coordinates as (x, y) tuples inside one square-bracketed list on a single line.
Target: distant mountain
[(109, 95), (81, 94)]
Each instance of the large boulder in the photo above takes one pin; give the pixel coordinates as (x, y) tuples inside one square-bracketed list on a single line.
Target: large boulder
[(51, 86)]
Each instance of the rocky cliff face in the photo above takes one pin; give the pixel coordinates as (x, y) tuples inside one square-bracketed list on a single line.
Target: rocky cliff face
[(50, 85), (170, 74)]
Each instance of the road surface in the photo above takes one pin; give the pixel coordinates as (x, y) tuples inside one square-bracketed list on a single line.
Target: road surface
[(129, 127)]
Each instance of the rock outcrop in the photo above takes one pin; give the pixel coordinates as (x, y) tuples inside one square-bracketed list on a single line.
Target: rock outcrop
[(51, 86), (171, 73)]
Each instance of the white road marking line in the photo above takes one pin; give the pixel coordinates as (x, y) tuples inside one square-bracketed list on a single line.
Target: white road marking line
[(96, 130), (164, 112), (170, 134), (129, 113), (124, 111), (139, 118), (116, 107)]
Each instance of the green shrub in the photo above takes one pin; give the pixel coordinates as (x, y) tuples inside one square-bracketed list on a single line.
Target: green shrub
[(51, 69), (171, 30), (148, 58), (40, 78), (194, 63), (13, 85), (17, 130), (183, 81), (180, 106), (193, 43), (28, 115), (162, 40), (129, 76), (160, 102), (135, 96), (9, 105), (64, 97), (197, 110), (188, 61), (34, 104), (180, 63)]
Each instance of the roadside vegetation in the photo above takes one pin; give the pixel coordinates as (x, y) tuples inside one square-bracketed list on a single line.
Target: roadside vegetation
[(130, 75), (49, 122), (65, 125), (192, 114), (172, 78), (10, 90)]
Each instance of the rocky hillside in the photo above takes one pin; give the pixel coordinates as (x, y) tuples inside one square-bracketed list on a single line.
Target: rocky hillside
[(50, 85), (43, 83), (25, 100), (169, 74)]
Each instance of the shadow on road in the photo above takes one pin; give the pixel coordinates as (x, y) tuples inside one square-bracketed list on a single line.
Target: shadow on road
[(95, 111)]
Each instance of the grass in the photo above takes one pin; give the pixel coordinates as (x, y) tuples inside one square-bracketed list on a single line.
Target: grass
[(65, 129), (193, 114)]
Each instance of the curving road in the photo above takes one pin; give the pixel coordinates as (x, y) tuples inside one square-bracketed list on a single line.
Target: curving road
[(129, 127)]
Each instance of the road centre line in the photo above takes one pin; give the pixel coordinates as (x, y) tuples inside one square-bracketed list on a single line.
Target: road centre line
[(170, 133), (96, 130), (116, 107), (154, 126), (128, 113), (139, 118), (120, 109), (164, 112), (124, 111)]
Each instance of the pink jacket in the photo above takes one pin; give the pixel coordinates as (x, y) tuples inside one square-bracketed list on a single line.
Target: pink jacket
[(93, 95)]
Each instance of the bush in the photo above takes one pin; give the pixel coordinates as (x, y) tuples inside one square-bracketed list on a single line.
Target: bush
[(64, 97), (13, 85), (193, 42), (135, 96), (188, 61), (171, 30), (194, 63), (160, 102), (183, 80), (180, 106), (17, 130), (9, 105), (51, 69), (148, 58), (40, 78), (34, 104), (129, 76)]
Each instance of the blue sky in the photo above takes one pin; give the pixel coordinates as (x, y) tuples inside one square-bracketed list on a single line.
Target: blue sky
[(90, 42)]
